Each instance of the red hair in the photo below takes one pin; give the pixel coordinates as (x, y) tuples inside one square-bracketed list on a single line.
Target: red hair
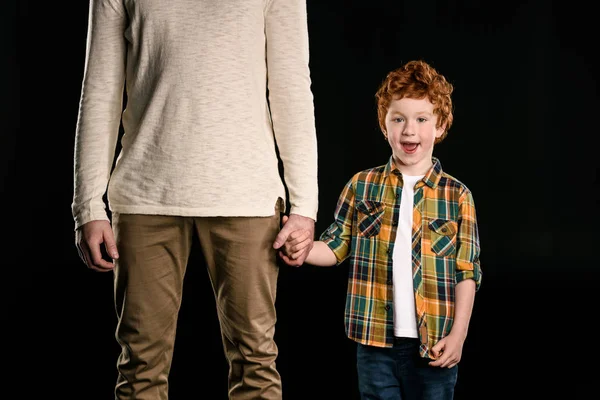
[(417, 80)]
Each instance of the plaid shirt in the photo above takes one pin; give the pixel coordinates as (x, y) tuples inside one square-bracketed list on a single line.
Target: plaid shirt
[(445, 251)]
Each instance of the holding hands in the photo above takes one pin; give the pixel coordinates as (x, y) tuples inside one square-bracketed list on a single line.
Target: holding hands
[(295, 240)]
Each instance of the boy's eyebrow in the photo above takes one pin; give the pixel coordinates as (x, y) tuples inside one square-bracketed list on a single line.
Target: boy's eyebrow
[(418, 112)]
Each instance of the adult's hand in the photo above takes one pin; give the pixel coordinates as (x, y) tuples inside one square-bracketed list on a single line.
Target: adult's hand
[(89, 238), (295, 223)]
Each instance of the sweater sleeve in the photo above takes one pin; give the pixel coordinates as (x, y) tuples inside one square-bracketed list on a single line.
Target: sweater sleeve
[(291, 101), (100, 109)]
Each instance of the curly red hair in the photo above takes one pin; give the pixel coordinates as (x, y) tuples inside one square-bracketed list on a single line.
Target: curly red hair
[(417, 80)]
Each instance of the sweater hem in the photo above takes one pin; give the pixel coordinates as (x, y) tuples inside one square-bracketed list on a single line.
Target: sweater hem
[(237, 211)]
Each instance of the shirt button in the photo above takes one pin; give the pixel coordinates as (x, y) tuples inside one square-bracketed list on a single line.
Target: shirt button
[(389, 251), (387, 308), (397, 195), (395, 223), (444, 230), (389, 282)]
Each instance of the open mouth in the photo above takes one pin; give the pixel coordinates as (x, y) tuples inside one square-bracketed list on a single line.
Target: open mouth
[(409, 148)]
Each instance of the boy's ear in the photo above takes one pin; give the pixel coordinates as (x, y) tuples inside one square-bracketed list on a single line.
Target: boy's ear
[(440, 131)]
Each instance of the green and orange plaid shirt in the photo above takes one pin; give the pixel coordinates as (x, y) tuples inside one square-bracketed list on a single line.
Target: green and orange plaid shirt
[(445, 251)]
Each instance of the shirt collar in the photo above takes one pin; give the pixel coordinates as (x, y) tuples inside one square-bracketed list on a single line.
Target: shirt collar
[(431, 178)]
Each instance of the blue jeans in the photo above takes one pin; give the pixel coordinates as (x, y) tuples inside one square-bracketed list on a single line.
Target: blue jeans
[(399, 373)]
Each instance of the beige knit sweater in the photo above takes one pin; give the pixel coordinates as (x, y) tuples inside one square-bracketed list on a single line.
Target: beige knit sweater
[(200, 131)]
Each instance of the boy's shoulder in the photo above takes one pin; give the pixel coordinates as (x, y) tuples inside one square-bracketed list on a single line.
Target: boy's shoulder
[(448, 180)]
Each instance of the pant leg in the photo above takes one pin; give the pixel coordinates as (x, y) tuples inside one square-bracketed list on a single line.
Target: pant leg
[(389, 373), (436, 383), (148, 282), (243, 271), (376, 371)]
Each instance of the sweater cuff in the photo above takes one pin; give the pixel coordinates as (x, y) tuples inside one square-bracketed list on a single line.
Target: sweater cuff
[(305, 211)]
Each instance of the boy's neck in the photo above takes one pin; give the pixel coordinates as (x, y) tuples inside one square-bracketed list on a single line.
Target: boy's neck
[(413, 170)]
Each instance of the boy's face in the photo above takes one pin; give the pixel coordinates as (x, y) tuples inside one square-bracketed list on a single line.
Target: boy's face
[(411, 132)]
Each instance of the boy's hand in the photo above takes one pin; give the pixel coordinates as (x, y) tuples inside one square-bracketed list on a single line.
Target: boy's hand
[(295, 240), (447, 351)]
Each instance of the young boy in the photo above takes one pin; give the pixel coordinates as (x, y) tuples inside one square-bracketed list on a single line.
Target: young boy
[(410, 231)]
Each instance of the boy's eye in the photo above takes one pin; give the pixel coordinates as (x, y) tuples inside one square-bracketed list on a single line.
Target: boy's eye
[(398, 119), (421, 119)]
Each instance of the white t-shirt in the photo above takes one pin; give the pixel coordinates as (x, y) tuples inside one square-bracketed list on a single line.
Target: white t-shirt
[(405, 320)]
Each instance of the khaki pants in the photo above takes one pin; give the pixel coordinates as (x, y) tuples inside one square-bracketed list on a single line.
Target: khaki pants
[(148, 284)]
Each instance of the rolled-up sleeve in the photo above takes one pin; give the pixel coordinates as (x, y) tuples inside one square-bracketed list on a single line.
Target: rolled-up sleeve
[(338, 236), (467, 256)]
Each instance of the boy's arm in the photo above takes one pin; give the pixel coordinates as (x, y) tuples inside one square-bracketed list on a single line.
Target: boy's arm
[(321, 255), (334, 243), (338, 236), (468, 250), (448, 351), (463, 307), (468, 265)]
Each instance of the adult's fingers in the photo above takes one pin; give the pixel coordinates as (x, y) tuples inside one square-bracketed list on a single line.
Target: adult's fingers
[(110, 244), (81, 254), (282, 236), (98, 263), (298, 246)]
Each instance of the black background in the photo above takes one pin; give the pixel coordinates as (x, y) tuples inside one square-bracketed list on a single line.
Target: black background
[(523, 141)]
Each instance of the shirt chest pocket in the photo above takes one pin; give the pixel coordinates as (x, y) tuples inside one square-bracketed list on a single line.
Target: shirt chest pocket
[(443, 236), (369, 217)]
